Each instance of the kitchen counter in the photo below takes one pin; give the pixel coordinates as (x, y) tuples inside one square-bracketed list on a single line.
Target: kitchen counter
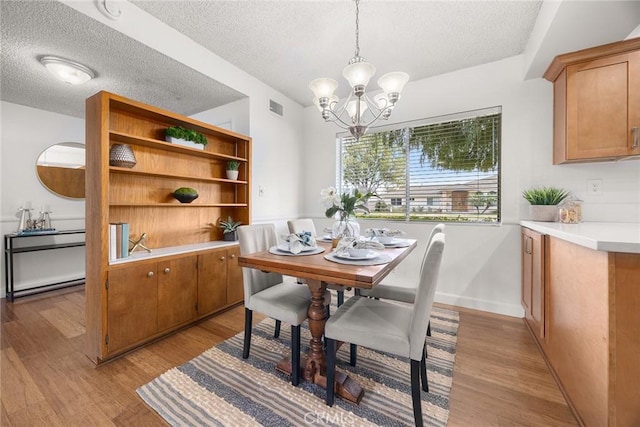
[(601, 236)]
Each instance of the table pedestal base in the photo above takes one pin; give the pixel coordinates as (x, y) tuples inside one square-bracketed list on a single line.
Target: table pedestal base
[(345, 387), (314, 367)]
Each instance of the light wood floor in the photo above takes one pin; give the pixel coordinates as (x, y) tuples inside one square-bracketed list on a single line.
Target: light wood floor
[(500, 378)]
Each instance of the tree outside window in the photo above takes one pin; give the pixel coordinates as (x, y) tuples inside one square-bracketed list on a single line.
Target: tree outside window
[(446, 168)]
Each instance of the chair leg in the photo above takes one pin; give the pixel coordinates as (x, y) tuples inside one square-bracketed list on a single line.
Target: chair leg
[(429, 328), (340, 298), (276, 330), (353, 354), (295, 355), (331, 370), (415, 392), (248, 316), (423, 369)]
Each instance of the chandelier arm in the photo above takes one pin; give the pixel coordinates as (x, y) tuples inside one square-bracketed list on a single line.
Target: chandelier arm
[(373, 106), (340, 111), (337, 120)]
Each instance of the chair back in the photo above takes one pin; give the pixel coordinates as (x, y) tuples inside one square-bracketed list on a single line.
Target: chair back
[(257, 238), (300, 225), (424, 296), (439, 228)]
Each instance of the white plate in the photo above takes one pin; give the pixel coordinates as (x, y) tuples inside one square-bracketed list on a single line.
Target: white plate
[(285, 248), (393, 242), (369, 255)]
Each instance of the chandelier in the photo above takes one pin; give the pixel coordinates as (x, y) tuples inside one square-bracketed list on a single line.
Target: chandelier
[(358, 104)]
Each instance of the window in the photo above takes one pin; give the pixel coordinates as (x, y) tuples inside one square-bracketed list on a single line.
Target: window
[(446, 168)]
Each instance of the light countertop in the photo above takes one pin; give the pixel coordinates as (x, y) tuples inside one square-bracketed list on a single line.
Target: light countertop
[(600, 236), (173, 250)]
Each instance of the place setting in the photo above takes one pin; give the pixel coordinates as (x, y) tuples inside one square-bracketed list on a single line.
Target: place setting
[(297, 244), (354, 251), (389, 238)]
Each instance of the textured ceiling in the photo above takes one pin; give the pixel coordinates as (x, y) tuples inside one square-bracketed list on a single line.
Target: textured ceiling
[(31, 29), (286, 44), (282, 43)]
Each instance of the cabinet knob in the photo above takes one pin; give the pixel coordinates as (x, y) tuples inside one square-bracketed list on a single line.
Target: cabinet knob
[(635, 137), (222, 258), (150, 274), (167, 270), (233, 255)]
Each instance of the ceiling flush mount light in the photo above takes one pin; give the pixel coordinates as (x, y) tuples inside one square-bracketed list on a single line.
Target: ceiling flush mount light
[(68, 71), (358, 73)]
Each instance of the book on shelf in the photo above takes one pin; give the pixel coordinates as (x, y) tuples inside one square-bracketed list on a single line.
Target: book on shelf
[(118, 240)]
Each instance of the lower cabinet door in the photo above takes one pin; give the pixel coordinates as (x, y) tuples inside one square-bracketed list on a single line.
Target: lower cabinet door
[(132, 311), (235, 289), (177, 291), (212, 281)]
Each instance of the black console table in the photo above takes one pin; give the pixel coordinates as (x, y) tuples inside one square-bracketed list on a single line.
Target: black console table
[(10, 250)]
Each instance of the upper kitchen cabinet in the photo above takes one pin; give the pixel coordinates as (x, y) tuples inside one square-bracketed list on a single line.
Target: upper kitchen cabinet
[(596, 103)]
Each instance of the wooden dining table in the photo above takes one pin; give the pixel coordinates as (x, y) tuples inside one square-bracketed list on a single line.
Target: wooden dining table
[(317, 272)]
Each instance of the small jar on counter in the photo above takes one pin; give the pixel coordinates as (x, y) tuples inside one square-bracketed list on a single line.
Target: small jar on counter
[(570, 211)]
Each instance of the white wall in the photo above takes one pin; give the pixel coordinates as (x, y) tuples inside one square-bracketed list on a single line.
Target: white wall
[(481, 266), (26, 132)]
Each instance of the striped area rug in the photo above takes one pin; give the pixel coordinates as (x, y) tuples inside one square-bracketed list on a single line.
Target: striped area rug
[(219, 388)]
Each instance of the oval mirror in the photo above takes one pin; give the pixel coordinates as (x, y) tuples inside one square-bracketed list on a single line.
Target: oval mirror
[(60, 169)]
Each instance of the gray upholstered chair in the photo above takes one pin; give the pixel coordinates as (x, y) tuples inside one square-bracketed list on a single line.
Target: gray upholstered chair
[(405, 292), (306, 224), (268, 294), (389, 327)]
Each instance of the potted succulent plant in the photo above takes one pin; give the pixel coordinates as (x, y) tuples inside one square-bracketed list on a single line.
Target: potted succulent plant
[(187, 137), (229, 228), (544, 202), (233, 169)]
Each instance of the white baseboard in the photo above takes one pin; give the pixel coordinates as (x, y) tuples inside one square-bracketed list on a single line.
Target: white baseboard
[(514, 310)]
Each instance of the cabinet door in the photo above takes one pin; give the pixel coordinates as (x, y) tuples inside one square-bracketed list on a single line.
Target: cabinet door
[(533, 283), (235, 290), (177, 291), (131, 306), (603, 107), (212, 281)]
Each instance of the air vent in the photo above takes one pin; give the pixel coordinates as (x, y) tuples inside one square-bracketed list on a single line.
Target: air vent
[(274, 107)]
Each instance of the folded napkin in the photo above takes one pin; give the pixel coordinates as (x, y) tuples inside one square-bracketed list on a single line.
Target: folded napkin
[(383, 232), (347, 243), (298, 241)]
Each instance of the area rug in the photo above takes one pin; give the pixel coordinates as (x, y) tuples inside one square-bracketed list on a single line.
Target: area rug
[(219, 388)]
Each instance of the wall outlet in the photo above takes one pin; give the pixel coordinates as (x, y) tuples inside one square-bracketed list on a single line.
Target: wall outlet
[(594, 187)]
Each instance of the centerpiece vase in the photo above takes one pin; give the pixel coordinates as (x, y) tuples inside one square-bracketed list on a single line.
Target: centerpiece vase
[(345, 227)]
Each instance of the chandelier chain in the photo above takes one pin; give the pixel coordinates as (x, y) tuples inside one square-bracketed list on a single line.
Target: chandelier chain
[(357, 29)]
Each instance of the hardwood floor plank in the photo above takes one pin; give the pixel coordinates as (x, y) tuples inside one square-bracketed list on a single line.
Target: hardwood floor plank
[(500, 378)]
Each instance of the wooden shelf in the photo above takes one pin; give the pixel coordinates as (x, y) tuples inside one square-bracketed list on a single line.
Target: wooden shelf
[(115, 169), (182, 205), (167, 146)]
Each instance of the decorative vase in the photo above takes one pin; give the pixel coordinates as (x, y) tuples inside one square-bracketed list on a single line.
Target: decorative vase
[(232, 174), (345, 227), (185, 197), (544, 213), (121, 155)]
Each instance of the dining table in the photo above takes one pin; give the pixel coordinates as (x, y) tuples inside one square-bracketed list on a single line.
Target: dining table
[(317, 270)]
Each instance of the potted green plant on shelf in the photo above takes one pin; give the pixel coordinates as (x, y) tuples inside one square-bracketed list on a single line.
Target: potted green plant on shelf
[(229, 228), (544, 202), (187, 137), (233, 169)]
